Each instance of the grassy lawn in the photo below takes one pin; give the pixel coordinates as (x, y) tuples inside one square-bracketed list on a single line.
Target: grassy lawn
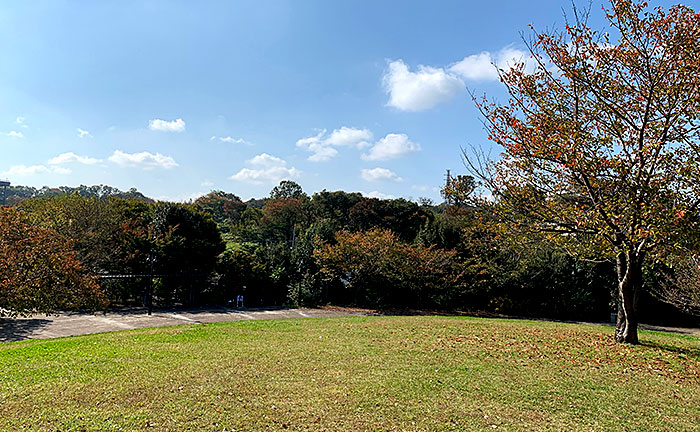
[(361, 373)]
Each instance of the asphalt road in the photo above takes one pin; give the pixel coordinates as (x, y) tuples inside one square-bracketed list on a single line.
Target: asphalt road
[(71, 324)]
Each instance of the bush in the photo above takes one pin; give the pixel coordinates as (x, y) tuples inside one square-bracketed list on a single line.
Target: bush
[(376, 269)]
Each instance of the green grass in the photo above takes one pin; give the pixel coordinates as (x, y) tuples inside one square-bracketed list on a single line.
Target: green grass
[(233, 244), (353, 374)]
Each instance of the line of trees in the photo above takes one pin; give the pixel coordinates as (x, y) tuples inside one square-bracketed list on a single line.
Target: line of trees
[(333, 247)]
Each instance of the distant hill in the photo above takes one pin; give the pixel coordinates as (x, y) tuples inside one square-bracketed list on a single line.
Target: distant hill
[(15, 194)]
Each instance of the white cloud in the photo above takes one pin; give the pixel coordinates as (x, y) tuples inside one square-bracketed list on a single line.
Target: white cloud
[(266, 175), (323, 145), (316, 144), (377, 194), (207, 183), (20, 121), (391, 147), (476, 67), (231, 140), (186, 198), (70, 157), (321, 153), (428, 86), (266, 169), (15, 134), (484, 66), (143, 160), (167, 126), (267, 160), (23, 170), (82, 133), (380, 174), (346, 136), (425, 188), (420, 90)]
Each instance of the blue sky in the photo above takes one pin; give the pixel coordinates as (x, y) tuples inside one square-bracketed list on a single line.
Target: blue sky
[(179, 98)]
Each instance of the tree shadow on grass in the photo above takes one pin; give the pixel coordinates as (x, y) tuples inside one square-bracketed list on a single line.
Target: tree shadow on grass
[(690, 352), (12, 330)]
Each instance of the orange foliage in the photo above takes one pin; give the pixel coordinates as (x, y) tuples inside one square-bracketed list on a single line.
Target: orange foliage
[(39, 271)]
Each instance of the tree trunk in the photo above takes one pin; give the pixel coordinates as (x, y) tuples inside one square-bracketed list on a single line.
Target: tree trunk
[(629, 281)]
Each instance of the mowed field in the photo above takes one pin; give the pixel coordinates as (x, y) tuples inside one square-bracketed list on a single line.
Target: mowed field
[(353, 374)]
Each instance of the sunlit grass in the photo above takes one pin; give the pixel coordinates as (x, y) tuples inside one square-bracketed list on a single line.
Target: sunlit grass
[(360, 373)]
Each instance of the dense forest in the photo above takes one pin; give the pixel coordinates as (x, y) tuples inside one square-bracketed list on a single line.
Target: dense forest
[(294, 249)]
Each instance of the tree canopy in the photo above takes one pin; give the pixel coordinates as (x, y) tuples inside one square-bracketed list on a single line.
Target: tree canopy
[(39, 272)]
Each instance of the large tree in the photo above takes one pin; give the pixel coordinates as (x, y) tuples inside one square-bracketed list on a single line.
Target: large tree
[(186, 243), (224, 208), (601, 141), (39, 271)]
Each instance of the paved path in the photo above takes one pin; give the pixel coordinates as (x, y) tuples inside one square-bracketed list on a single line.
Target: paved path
[(71, 324), (682, 330)]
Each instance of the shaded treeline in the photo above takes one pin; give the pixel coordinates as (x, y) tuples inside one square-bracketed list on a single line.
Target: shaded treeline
[(333, 247)]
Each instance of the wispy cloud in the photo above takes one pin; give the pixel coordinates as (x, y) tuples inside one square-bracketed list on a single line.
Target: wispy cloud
[(425, 188), (15, 134), (266, 169), (379, 174), (82, 133), (25, 171), (167, 126), (231, 140), (390, 147), (71, 157), (144, 160)]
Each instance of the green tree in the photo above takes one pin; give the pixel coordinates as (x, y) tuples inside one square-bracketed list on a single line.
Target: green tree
[(401, 216), (242, 273), (90, 223), (600, 142), (186, 244), (283, 220), (334, 206), (288, 189), (109, 235), (224, 208)]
